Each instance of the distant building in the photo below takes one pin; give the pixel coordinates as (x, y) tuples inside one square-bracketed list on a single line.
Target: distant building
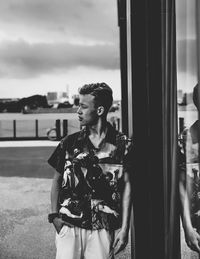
[(57, 97), (52, 96)]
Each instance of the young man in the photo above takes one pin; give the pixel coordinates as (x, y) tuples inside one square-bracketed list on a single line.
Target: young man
[(91, 190), (189, 183)]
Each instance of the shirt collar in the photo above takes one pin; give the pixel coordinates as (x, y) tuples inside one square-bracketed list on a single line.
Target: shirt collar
[(110, 135)]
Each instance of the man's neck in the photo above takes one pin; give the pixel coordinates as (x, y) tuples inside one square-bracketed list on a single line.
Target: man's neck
[(98, 129), (97, 133)]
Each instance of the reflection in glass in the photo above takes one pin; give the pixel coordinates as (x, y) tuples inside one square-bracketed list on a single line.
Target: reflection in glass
[(188, 107)]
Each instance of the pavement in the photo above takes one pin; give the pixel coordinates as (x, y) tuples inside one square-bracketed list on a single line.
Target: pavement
[(25, 232), (25, 182), (29, 143)]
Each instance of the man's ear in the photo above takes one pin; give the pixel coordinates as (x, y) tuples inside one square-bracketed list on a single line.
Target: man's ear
[(100, 110)]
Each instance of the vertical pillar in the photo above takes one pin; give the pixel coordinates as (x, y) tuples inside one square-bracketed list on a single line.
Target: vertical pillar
[(65, 127), (181, 124), (14, 129), (58, 130), (123, 63), (36, 129)]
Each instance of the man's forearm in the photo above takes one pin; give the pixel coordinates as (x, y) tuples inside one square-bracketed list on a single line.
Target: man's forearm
[(186, 218), (121, 238), (55, 189), (126, 206)]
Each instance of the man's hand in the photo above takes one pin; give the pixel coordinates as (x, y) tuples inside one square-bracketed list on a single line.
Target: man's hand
[(192, 239), (58, 224), (121, 241), (197, 213)]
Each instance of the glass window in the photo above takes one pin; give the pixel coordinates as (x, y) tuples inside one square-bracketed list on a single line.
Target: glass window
[(187, 93)]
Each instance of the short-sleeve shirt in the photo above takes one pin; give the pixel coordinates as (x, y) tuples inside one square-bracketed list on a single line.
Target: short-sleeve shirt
[(92, 179)]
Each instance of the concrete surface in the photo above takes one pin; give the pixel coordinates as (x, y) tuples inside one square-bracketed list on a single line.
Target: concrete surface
[(29, 143), (25, 182), (25, 232)]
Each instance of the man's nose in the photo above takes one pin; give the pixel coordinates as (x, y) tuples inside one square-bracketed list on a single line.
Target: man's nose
[(79, 110)]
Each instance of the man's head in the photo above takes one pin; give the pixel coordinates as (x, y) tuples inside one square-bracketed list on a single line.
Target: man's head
[(196, 96), (95, 102)]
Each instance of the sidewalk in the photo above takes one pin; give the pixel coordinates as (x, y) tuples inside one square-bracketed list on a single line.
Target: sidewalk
[(25, 232), (26, 158), (29, 143), (25, 183)]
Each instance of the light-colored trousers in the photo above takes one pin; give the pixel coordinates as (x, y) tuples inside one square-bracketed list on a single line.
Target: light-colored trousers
[(78, 243)]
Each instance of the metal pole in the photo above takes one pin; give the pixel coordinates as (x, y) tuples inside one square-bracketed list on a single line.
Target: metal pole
[(14, 129), (58, 133), (65, 127), (130, 106), (181, 124), (36, 128), (129, 68)]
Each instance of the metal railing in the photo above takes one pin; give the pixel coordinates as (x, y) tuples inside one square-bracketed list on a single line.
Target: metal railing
[(35, 135), (56, 132)]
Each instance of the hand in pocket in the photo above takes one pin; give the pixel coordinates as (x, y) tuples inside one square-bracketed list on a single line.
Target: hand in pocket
[(58, 224)]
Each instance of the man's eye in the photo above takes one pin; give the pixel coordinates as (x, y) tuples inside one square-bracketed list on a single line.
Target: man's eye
[(82, 106)]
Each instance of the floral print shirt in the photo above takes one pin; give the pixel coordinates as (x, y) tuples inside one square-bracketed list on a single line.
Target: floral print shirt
[(92, 185), (189, 166)]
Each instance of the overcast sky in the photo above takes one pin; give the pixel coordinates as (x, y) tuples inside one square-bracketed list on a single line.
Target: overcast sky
[(186, 44), (46, 45)]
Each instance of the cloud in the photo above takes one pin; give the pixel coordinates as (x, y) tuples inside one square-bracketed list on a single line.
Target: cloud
[(187, 56), (21, 59), (186, 19), (63, 19), (50, 36)]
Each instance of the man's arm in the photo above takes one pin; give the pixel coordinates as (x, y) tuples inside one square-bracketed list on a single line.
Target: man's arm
[(192, 238), (121, 239), (55, 189)]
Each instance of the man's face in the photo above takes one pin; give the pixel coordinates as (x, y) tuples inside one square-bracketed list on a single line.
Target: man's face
[(87, 113)]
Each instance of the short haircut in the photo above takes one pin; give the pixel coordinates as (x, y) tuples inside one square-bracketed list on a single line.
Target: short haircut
[(101, 91), (196, 96)]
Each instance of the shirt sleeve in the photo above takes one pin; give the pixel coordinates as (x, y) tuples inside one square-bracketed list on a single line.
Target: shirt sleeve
[(57, 159)]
